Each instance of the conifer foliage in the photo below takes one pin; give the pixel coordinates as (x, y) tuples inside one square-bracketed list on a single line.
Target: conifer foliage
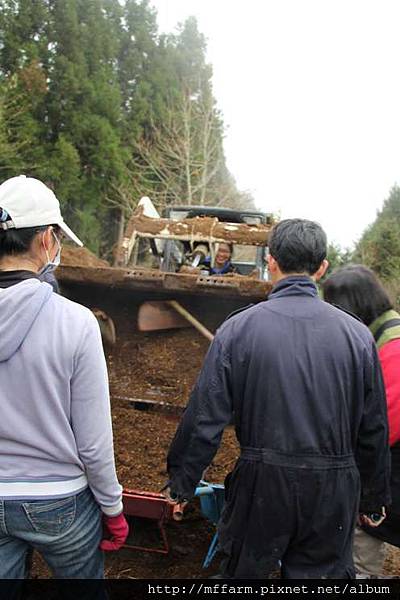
[(104, 109), (379, 247)]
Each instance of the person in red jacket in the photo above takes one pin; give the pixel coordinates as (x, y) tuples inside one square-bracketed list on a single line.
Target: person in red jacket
[(356, 289)]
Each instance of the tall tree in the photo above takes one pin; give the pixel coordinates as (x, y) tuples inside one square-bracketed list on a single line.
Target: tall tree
[(85, 110), (97, 104), (379, 247)]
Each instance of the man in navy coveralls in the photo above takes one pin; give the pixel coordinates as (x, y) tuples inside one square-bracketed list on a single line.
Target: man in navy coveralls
[(302, 382)]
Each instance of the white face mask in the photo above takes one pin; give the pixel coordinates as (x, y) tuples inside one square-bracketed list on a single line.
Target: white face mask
[(51, 265)]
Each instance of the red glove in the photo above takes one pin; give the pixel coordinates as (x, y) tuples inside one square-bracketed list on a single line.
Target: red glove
[(118, 529)]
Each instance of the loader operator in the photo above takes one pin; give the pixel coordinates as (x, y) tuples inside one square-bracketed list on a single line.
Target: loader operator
[(202, 259), (303, 384), (58, 484)]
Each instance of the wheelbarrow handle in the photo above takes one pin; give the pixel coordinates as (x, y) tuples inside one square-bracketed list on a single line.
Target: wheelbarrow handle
[(178, 510)]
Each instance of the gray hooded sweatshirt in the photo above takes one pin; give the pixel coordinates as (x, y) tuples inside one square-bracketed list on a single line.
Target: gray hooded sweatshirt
[(55, 421)]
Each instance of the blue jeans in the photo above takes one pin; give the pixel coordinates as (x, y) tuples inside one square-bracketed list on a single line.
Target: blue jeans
[(66, 532)]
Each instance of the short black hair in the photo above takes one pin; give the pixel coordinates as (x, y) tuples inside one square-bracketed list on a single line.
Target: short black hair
[(18, 241), (298, 245), (357, 289)]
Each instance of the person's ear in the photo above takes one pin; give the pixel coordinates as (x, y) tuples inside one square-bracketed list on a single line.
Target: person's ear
[(46, 239), (322, 270), (272, 264)]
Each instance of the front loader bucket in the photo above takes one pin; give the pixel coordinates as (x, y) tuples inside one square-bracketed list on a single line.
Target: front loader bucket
[(209, 299)]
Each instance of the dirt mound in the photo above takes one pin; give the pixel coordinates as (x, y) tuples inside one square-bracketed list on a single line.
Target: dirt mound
[(141, 443), (156, 366), (159, 366), (72, 256)]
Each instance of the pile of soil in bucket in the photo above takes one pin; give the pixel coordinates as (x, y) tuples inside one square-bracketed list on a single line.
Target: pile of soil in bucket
[(73, 256)]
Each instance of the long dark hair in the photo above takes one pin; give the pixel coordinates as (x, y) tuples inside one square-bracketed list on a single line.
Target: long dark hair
[(357, 289)]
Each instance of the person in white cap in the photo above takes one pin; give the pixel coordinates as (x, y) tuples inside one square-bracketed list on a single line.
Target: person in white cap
[(58, 484)]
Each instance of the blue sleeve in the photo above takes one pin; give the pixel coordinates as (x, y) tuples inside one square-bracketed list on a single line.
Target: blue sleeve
[(199, 433)]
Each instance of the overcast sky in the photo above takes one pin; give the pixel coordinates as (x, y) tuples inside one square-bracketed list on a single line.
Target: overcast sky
[(310, 92)]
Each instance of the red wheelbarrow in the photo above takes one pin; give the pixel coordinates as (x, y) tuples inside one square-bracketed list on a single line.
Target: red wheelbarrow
[(147, 513)]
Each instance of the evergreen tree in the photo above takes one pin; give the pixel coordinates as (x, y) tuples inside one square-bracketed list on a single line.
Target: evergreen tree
[(337, 257), (85, 109), (23, 33), (379, 247), (99, 106)]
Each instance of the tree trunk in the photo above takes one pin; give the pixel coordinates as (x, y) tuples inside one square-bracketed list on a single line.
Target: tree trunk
[(121, 228)]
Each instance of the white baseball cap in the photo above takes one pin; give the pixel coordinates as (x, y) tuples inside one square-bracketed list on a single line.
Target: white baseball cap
[(30, 203)]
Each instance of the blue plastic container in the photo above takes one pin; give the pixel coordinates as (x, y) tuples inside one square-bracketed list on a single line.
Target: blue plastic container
[(211, 497)]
